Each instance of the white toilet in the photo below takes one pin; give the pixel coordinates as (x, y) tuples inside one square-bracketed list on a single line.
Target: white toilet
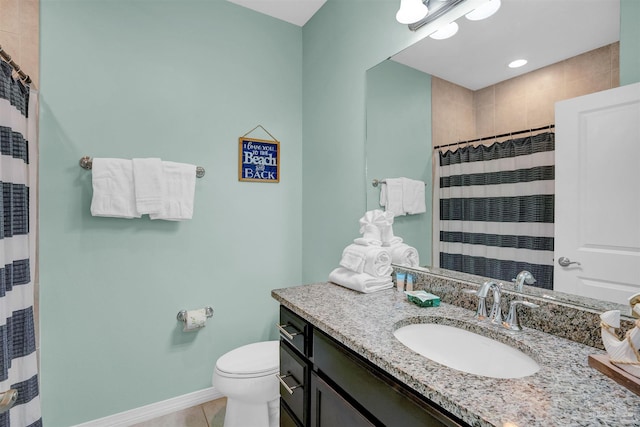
[(247, 376)]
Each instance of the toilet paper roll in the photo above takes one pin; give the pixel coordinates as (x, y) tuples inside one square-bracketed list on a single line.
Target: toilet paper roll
[(195, 319)]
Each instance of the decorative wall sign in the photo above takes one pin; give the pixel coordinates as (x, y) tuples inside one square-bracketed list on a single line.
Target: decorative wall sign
[(258, 160)]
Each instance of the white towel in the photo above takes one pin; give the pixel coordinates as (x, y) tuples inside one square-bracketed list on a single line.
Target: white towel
[(179, 192), (413, 196), (372, 260), (370, 235), (113, 190), (402, 196), (367, 242), (148, 183), (359, 281), (405, 255), (391, 196)]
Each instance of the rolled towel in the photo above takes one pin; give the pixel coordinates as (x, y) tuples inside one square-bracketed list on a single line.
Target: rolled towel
[(360, 282), (372, 260), (403, 254)]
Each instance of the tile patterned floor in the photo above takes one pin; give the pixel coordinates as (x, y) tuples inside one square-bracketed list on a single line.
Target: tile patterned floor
[(210, 414)]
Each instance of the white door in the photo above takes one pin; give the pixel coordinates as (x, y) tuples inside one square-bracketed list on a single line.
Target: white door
[(597, 202)]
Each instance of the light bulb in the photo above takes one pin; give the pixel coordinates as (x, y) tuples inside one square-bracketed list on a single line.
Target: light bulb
[(411, 11), (445, 31), (484, 11)]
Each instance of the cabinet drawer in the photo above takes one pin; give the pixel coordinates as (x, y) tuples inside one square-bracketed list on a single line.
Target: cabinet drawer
[(295, 330), (388, 401), (329, 408), (286, 418), (294, 381)]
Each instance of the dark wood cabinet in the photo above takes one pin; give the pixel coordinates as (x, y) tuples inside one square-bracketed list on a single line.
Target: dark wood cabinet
[(325, 384), (330, 409)]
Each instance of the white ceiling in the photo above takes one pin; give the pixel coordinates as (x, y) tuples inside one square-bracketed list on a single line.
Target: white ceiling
[(541, 31), (296, 12)]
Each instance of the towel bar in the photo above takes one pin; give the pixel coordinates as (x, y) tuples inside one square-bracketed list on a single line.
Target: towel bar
[(377, 182), (86, 162)]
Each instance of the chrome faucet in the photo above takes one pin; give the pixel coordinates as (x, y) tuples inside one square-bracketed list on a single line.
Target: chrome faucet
[(523, 277), (496, 311), (512, 321)]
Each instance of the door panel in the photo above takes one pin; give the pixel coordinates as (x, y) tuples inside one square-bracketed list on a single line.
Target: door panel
[(597, 202)]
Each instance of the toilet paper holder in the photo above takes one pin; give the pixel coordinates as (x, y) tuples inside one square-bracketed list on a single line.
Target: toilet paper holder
[(182, 314)]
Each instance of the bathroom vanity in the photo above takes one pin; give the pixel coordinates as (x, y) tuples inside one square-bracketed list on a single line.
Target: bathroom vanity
[(342, 365), (332, 385)]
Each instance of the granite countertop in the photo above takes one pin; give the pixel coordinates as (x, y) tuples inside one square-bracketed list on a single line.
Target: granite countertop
[(564, 392)]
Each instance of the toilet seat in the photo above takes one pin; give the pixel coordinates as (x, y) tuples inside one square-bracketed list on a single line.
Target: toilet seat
[(250, 361)]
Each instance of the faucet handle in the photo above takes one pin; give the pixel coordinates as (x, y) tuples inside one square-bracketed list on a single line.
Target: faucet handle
[(512, 321)]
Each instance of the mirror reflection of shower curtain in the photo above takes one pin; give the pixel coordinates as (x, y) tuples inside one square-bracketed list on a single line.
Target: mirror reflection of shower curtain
[(18, 361), (495, 206)]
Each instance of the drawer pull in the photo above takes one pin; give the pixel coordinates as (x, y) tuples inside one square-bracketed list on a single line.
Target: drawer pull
[(289, 389), (286, 333)]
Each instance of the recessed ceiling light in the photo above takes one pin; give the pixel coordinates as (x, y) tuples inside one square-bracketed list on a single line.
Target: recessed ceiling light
[(445, 32), (517, 63), (484, 11)]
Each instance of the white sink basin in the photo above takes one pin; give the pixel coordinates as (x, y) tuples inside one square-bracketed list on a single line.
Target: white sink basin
[(466, 351)]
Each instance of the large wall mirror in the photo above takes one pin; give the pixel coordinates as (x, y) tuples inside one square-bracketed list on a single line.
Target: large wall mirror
[(440, 92)]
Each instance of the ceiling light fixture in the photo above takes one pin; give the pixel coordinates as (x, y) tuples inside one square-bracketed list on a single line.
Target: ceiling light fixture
[(517, 63), (484, 11), (411, 11), (445, 31)]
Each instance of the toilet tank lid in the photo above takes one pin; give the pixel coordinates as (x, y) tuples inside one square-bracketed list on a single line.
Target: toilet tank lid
[(255, 358)]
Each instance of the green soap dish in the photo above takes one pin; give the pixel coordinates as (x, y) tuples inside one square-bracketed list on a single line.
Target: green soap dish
[(423, 298)]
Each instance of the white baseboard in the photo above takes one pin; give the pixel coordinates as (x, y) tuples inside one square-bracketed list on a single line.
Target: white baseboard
[(154, 410)]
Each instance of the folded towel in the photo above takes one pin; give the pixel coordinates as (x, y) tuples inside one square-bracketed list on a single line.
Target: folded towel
[(391, 240), (113, 188), (148, 183), (371, 234), (179, 191), (367, 242), (391, 195), (371, 225), (413, 196), (372, 260), (359, 281), (403, 254), (402, 196)]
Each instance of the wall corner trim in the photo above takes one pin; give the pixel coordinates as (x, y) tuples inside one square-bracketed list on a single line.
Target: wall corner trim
[(154, 410)]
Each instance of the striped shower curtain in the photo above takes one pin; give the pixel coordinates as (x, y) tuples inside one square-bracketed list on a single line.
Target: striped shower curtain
[(496, 209), (18, 362)]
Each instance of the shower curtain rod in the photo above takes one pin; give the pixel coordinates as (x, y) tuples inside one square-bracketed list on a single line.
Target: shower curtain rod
[(24, 77), (550, 126)]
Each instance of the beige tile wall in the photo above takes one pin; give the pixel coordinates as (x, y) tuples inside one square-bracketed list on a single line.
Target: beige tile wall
[(523, 102), (20, 34)]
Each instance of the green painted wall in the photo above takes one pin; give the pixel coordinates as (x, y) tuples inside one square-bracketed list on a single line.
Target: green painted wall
[(341, 42), (180, 80), (398, 142), (629, 42)]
